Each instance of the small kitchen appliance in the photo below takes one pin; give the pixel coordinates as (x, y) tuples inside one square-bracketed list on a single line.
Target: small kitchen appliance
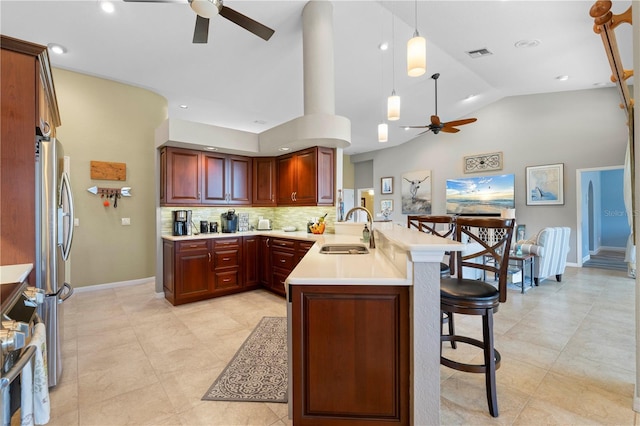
[(181, 222), (229, 221), (204, 226), (264, 225)]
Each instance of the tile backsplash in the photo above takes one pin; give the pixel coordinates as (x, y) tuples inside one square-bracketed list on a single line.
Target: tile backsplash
[(279, 216)]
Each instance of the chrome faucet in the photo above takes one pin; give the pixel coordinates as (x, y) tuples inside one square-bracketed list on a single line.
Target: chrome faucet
[(372, 240)]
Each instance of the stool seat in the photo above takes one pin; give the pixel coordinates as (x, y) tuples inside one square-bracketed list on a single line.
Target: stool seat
[(468, 290)]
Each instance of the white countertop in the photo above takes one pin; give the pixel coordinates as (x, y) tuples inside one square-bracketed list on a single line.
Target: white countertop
[(10, 274), (298, 235), (387, 264)]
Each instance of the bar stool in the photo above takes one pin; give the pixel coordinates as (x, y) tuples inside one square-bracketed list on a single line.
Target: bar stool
[(442, 226), (474, 297)]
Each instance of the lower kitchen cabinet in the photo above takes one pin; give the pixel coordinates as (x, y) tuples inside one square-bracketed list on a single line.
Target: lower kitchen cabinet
[(200, 269), (187, 265), (350, 355)]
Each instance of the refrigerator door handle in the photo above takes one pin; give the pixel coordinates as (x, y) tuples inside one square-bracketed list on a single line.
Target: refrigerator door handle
[(65, 217), (65, 295)]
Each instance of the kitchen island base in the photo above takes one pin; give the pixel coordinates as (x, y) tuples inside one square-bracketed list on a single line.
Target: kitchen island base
[(350, 354)]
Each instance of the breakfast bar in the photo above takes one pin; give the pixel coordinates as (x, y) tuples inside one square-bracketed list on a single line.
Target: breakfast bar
[(364, 331)]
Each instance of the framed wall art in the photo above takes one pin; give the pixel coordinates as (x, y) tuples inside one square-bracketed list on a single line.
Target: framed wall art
[(545, 185), (483, 162), (386, 185), (416, 192), (386, 205)]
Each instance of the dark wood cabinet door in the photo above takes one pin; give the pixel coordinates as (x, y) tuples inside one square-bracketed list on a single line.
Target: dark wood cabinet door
[(326, 176), (286, 179), (264, 181), (239, 180), (214, 178), (306, 192), (350, 355), (264, 261), (250, 250), (192, 275), (182, 176)]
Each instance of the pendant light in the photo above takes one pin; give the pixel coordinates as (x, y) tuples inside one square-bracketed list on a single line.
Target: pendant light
[(416, 52), (393, 102), (383, 128)]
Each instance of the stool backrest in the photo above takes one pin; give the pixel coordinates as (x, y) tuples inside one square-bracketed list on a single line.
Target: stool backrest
[(489, 242), (429, 224)]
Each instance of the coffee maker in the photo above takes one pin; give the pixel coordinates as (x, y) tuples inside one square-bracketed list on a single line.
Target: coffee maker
[(229, 221), (181, 222)]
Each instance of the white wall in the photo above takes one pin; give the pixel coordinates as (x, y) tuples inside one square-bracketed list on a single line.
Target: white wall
[(581, 129)]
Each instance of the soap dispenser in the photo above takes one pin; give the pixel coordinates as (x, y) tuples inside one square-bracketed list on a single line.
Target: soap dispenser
[(366, 234)]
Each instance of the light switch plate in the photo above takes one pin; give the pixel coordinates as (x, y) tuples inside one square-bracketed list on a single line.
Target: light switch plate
[(126, 221)]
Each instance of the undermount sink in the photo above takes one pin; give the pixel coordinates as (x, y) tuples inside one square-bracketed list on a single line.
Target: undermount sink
[(344, 249)]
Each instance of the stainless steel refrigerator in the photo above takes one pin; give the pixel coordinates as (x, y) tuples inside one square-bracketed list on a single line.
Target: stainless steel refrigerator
[(54, 233)]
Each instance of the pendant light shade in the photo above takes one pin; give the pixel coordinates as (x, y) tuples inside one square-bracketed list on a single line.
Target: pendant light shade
[(393, 107), (383, 132), (416, 55)]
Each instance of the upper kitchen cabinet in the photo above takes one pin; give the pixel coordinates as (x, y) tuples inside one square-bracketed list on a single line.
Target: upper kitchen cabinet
[(189, 177), (264, 181), (29, 107), (306, 178)]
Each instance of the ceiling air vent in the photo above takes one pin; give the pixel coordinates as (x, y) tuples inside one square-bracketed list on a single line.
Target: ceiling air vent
[(479, 53)]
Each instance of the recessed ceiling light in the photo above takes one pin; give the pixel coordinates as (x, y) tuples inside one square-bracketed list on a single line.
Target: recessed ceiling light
[(523, 44), (562, 77), (469, 97), (212, 148), (259, 122), (602, 83), (107, 6), (383, 46), (284, 148), (183, 106), (57, 48)]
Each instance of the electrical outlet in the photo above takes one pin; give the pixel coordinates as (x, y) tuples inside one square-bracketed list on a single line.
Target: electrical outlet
[(76, 221), (126, 221)]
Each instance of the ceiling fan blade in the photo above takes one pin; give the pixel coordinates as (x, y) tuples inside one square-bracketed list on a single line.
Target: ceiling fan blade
[(435, 120), (247, 23), (415, 127), (449, 130), (201, 32), (461, 122)]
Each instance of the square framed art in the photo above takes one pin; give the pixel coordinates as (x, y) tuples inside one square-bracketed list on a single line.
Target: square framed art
[(545, 185)]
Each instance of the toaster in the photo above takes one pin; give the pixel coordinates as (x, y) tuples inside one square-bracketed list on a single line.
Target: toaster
[(264, 225)]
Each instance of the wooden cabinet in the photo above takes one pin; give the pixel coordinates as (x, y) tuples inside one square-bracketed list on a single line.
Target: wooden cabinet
[(186, 271), (264, 181), (189, 177), (264, 262), (28, 106), (285, 255), (306, 178), (251, 257), (226, 179), (350, 355), (227, 271)]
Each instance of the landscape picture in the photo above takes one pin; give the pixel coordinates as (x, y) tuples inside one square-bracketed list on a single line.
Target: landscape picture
[(481, 196)]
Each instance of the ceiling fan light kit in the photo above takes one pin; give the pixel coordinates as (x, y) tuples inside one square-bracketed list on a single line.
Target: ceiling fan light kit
[(206, 8)]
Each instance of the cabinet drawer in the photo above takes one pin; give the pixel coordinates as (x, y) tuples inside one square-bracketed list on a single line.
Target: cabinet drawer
[(227, 279), (185, 246), (286, 244), (304, 246), (283, 259), (226, 259), (226, 242)]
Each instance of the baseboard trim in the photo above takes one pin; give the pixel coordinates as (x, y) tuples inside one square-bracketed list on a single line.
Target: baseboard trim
[(114, 285)]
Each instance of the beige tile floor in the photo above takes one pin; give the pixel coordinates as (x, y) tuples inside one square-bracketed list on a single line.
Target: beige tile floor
[(568, 353)]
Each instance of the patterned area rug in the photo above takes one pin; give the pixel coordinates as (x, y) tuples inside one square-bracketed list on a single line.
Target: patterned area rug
[(258, 371)]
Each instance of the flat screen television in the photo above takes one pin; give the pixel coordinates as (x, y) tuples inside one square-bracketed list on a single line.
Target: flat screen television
[(481, 196)]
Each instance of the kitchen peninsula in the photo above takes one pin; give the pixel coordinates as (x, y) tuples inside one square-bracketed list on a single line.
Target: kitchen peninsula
[(364, 332)]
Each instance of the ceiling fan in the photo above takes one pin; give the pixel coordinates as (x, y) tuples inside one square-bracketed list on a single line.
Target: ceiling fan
[(436, 126), (206, 9)]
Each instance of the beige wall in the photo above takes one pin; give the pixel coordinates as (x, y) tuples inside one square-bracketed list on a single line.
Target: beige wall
[(348, 172), (107, 121)]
